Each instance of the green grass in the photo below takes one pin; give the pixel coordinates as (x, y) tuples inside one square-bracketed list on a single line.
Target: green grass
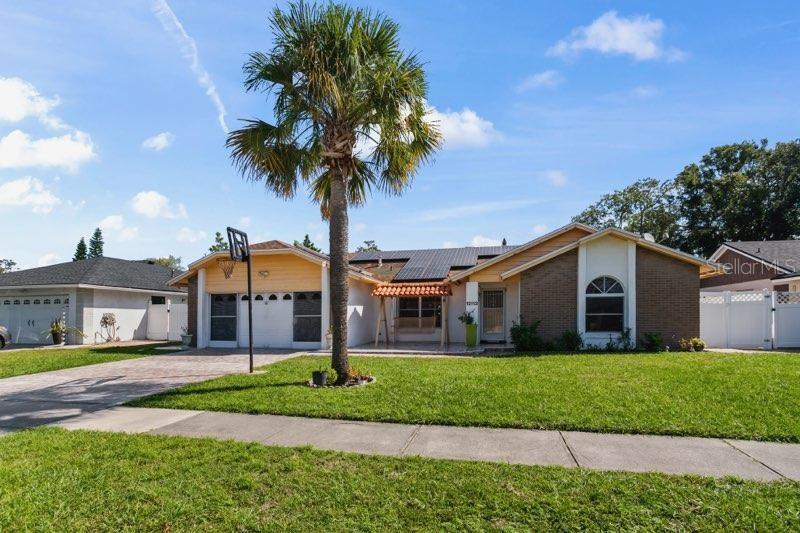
[(706, 394), (19, 362), (81, 481)]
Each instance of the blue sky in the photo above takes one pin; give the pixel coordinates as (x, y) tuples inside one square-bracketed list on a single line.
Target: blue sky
[(111, 113)]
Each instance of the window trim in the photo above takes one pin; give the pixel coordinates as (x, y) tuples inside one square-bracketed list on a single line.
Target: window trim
[(439, 305)]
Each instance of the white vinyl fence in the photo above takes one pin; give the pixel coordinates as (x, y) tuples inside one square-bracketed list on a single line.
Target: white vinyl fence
[(166, 321), (751, 319)]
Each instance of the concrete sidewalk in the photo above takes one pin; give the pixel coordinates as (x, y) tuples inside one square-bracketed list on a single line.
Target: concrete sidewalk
[(763, 461)]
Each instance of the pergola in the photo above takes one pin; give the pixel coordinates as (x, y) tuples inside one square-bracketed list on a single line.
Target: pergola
[(399, 290)]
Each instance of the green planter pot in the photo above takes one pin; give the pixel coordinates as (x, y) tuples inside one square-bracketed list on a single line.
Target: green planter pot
[(472, 334)]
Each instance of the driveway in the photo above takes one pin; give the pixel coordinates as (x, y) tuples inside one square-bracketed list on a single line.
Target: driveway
[(48, 397)]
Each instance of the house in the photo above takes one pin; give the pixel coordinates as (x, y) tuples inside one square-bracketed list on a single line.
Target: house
[(596, 282), (756, 265), (80, 292)]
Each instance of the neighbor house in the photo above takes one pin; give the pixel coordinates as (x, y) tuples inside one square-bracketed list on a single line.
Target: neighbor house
[(576, 278), (756, 265), (80, 292)]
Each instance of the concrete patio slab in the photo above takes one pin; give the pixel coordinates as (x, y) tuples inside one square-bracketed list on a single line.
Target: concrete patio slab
[(779, 456), (487, 444), (126, 419), (673, 455)]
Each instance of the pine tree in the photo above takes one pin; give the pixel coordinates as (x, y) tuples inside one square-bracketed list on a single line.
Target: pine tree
[(96, 244), (308, 243), (80, 250), (219, 244)]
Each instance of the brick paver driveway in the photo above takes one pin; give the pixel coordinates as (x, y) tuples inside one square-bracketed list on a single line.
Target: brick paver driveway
[(48, 397)]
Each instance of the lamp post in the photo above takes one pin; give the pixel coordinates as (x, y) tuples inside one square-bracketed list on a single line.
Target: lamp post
[(239, 247)]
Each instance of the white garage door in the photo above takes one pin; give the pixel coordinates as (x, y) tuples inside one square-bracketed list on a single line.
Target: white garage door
[(28, 318), (272, 320)]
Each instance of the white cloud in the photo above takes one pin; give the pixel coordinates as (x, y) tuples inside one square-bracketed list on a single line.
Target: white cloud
[(116, 224), (18, 149), (158, 142), (27, 192), (462, 129), (48, 259), (153, 204), (450, 244), (539, 229), (644, 91), (638, 36), (480, 240), (556, 178), (244, 222), (190, 235), (188, 47), (467, 210), (20, 99), (546, 78), (111, 222)]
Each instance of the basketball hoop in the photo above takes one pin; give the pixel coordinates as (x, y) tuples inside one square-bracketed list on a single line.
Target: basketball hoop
[(226, 265)]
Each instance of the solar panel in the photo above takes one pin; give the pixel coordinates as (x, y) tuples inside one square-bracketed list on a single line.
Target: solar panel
[(431, 264)]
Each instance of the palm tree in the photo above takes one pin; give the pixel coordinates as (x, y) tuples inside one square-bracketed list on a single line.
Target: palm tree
[(349, 117)]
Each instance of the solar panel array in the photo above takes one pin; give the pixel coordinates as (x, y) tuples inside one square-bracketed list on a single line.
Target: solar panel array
[(432, 264)]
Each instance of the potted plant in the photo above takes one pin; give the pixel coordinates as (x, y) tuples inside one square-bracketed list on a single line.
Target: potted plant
[(57, 331), (319, 378), (471, 328), (186, 337)]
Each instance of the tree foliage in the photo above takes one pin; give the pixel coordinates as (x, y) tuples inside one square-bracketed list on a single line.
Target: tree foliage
[(742, 191), (368, 246), (81, 251), (7, 265), (308, 243), (220, 244), (169, 261), (96, 244)]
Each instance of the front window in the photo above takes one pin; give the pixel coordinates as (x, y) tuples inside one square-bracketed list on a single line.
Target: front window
[(605, 306), (427, 311)]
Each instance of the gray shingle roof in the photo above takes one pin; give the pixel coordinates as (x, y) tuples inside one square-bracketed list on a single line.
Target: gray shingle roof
[(103, 271), (431, 264), (785, 254)]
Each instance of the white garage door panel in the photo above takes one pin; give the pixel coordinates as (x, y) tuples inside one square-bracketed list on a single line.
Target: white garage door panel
[(272, 322), (29, 323)]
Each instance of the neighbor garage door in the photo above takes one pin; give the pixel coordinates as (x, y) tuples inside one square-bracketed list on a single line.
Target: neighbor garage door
[(28, 317)]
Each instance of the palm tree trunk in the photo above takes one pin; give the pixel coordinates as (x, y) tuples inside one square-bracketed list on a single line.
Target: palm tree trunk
[(338, 277)]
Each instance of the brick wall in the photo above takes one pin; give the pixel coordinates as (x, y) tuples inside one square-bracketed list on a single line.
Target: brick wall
[(192, 309), (549, 292), (740, 269), (667, 297)]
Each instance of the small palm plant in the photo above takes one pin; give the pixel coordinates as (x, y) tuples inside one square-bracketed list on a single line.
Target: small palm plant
[(349, 116)]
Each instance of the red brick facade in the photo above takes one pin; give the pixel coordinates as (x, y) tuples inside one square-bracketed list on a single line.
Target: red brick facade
[(667, 297), (549, 293), (739, 269), (192, 310)]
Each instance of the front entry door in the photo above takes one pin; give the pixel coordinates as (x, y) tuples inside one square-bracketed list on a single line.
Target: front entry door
[(492, 315)]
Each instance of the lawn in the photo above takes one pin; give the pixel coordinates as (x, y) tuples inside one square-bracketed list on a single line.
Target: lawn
[(749, 396), (16, 363), (52, 479)]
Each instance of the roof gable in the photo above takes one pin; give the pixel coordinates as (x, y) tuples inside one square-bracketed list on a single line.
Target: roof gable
[(783, 254)]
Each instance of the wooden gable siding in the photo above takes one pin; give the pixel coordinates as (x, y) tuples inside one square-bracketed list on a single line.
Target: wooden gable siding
[(286, 272), (739, 269), (492, 272)]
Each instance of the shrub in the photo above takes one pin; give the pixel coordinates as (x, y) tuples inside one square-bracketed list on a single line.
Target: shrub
[(652, 342), (685, 345), (570, 341), (526, 337)]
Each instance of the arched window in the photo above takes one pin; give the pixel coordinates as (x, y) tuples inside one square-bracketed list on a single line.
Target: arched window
[(287, 296), (273, 297), (605, 305), (245, 297), (259, 298)]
